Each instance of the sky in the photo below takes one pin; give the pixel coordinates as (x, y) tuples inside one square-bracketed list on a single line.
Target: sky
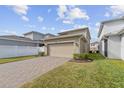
[(53, 19)]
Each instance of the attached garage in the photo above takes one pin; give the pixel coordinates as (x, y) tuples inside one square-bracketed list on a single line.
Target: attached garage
[(61, 50), (68, 43)]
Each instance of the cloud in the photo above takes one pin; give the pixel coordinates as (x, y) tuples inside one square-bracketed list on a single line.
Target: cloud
[(8, 32), (43, 28), (25, 18), (115, 11), (97, 24), (52, 28), (20, 9), (49, 10), (30, 26), (48, 28), (62, 9), (40, 18), (107, 14), (77, 13), (79, 26), (71, 13), (67, 22)]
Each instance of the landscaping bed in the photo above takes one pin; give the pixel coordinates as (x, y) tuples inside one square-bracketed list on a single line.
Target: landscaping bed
[(81, 60), (88, 57)]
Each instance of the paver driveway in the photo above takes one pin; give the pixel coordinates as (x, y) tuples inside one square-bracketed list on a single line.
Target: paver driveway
[(17, 73)]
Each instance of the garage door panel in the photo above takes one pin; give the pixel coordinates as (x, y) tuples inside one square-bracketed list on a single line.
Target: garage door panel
[(61, 50)]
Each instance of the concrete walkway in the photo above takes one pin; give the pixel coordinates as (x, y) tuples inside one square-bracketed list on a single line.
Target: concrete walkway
[(17, 73)]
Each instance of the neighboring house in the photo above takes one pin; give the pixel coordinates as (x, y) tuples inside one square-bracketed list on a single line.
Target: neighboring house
[(67, 43), (13, 46), (29, 44), (48, 35), (111, 38), (38, 37), (94, 47), (33, 35)]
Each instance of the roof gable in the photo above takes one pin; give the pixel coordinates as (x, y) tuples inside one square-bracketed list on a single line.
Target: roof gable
[(107, 22), (31, 32)]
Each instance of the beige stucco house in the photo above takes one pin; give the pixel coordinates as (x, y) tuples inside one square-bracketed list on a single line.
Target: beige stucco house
[(68, 42)]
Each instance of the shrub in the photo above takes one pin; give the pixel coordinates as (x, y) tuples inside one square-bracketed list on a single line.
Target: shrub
[(76, 56), (80, 56), (94, 56), (86, 56), (41, 54)]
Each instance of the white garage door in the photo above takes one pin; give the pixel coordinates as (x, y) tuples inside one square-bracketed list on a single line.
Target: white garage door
[(61, 50)]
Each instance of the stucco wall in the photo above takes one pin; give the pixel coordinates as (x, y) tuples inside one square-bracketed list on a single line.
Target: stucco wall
[(114, 47), (122, 47), (101, 47), (34, 36), (37, 36), (76, 39), (29, 36), (15, 51)]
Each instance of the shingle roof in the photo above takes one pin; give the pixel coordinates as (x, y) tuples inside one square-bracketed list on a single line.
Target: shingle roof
[(49, 34), (16, 38), (72, 30), (63, 36), (33, 32)]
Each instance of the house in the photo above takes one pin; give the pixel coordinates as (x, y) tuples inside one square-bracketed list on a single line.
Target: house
[(29, 44), (38, 37), (94, 47), (111, 38), (48, 35), (68, 42)]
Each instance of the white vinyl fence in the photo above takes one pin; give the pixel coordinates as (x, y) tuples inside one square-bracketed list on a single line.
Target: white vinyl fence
[(15, 51)]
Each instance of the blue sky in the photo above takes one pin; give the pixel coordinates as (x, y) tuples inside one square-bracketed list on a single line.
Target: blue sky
[(53, 18)]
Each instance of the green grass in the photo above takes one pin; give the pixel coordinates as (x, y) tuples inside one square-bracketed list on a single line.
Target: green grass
[(103, 73), (95, 56), (13, 59)]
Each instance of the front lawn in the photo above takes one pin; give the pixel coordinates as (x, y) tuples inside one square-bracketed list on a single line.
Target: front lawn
[(13, 59), (98, 74), (101, 73)]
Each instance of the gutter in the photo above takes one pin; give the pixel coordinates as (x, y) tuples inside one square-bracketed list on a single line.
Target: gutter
[(18, 40)]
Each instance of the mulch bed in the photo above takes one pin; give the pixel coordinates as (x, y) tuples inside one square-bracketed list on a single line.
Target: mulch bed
[(81, 60)]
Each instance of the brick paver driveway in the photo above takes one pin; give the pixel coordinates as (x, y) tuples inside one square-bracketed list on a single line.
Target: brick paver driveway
[(17, 73)]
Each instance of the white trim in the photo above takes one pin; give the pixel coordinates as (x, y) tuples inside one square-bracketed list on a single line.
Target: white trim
[(61, 42)]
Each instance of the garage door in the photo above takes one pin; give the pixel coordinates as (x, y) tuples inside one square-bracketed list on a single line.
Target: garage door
[(61, 50)]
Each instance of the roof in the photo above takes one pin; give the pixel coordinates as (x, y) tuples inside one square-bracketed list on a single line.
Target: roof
[(108, 21), (72, 30), (63, 36), (16, 38), (49, 34), (33, 32), (115, 33), (96, 42)]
